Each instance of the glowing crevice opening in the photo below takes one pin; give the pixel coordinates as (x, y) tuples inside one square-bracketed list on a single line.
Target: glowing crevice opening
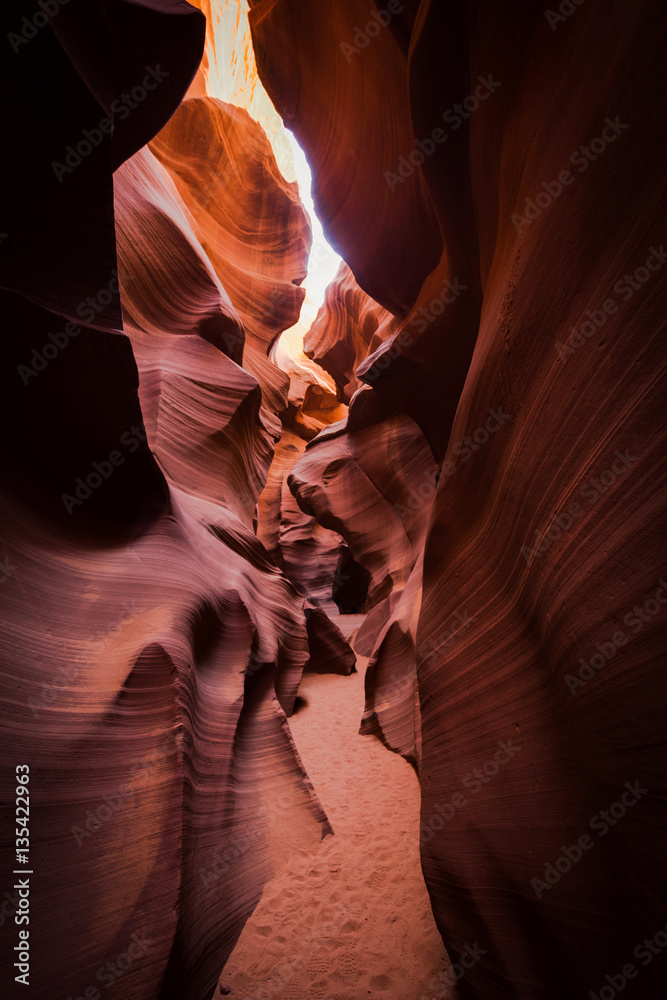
[(323, 262)]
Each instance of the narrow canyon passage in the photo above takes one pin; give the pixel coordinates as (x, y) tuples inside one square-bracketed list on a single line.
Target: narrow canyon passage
[(333, 333), (352, 918)]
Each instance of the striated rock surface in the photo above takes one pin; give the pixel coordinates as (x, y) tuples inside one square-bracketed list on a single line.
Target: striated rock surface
[(329, 651), (257, 237), (532, 365), (246, 214), (400, 259), (375, 465), (348, 327), (372, 479), (207, 426), (392, 710), (151, 648), (494, 178), (345, 475), (391, 240), (307, 552), (202, 411)]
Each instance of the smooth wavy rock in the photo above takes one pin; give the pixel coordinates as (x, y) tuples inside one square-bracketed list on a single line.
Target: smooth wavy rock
[(305, 551), (127, 697), (203, 413), (535, 374), (176, 292), (257, 238), (392, 709), (574, 473), (249, 218), (329, 651), (419, 258), (310, 77), (357, 478), (346, 329), (151, 649), (312, 397)]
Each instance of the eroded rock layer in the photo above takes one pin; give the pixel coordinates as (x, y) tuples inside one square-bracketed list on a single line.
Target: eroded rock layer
[(533, 365), (494, 179), (310, 85), (356, 478), (151, 648), (246, 214), (348, 327)]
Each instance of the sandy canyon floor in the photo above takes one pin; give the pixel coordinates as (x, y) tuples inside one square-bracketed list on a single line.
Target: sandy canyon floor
[(351, 919)]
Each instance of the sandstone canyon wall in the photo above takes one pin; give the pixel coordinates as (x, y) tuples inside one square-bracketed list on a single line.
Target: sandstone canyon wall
[(531, 141), (477, 416), (152, 650)]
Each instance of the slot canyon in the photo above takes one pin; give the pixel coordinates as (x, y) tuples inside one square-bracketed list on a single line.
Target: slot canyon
[(333, 579)]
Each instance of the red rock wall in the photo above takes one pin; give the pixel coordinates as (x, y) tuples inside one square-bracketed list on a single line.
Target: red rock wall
[(373, 478), (151, 649), (310, 83), (348, 327), (307, 552), (248, 217), (540, 446)]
